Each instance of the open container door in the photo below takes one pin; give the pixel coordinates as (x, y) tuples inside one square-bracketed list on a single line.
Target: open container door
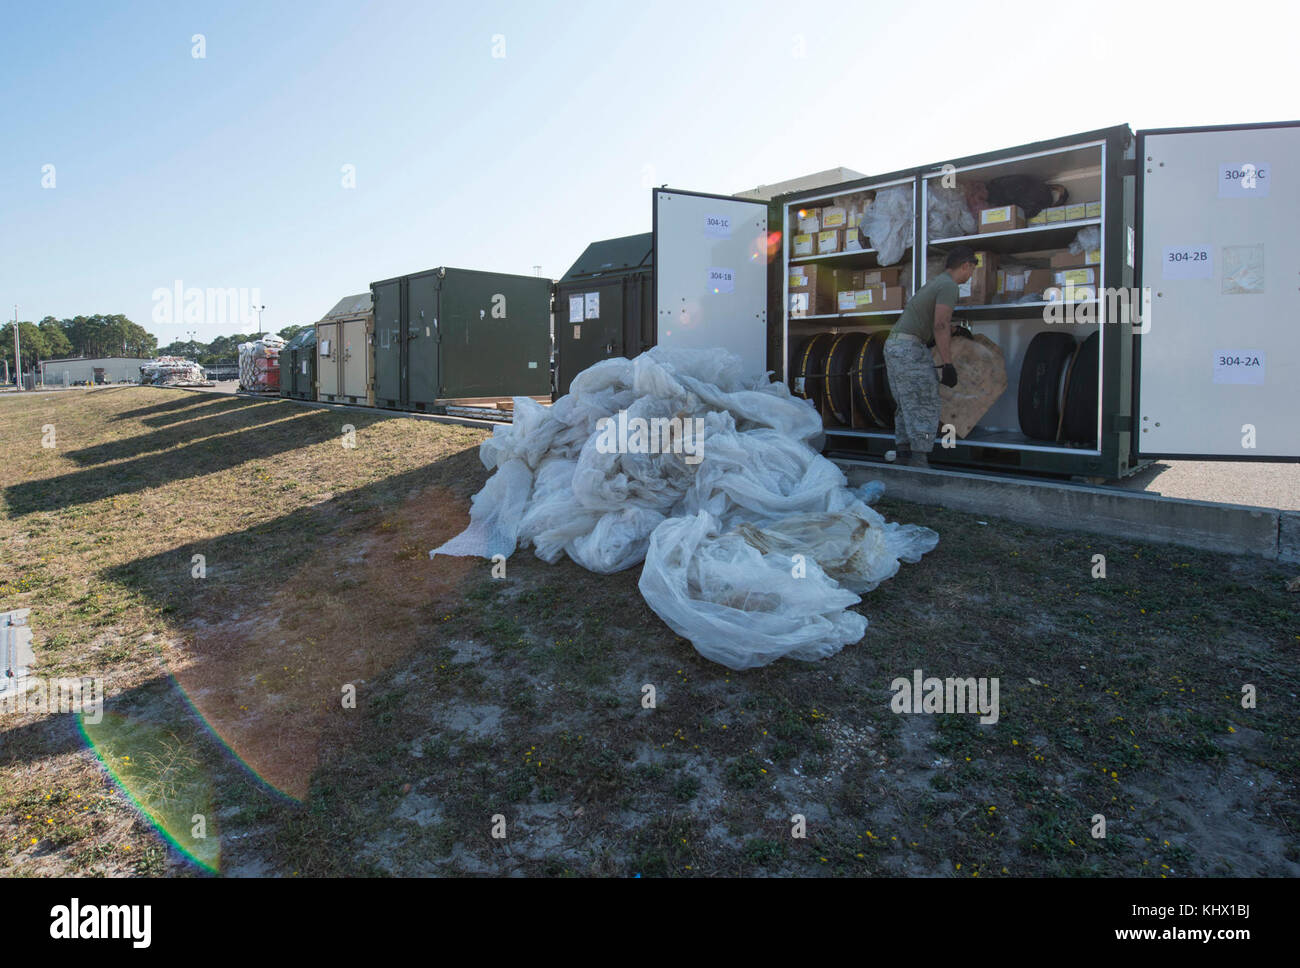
[(1219, 255), (710, 274)]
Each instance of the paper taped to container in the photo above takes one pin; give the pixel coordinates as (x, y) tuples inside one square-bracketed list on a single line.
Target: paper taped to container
[(981, 379)]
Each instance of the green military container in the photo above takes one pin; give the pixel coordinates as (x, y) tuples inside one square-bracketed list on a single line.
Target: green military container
[(298, 366), (459, 336), (604, 306)]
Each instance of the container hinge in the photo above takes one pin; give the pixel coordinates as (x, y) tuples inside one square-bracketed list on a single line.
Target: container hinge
[(1121, 423), (1128, 166)]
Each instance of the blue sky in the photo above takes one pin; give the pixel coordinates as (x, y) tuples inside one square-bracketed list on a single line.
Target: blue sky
[(226, 171)]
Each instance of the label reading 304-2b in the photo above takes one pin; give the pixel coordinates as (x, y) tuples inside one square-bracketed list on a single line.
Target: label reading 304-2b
[(1188, 262)]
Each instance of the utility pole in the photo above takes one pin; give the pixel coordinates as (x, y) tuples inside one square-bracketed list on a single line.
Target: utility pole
[(258, 310), (18, 360)]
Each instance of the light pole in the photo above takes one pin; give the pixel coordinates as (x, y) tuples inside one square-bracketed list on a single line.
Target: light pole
[(18, 359), (258, 310)]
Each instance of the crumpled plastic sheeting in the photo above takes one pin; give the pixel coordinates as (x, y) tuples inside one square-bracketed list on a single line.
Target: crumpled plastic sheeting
[(947, 214), (888, 223), (718, 535), (1086, 239)]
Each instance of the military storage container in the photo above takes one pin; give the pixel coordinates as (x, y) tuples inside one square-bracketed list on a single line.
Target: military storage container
[(298, 366), (344, 338), (1169, 335), (458, 336), (603, 306)]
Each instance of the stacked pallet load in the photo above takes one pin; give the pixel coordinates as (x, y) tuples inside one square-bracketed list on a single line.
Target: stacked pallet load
[(259, 365)]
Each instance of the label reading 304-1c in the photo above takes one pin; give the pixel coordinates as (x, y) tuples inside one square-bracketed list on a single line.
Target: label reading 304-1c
[(717, 226)]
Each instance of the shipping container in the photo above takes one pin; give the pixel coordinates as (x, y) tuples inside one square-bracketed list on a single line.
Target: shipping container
[(344, 342), (603, 306), (1174, 336), (298, 366), (460, 337)]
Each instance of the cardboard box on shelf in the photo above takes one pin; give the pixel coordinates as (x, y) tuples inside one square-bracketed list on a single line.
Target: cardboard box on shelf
[(1075, 211), (800, 304), (1093, 209), (805, 244), (1071, 260), (852, 240), (1039, 219), (830, 241), (834, 217), (1075, 277), (1037, 280), (1055, 214), (809, 220), (818, 283), (1003, 218), (886, 276), (892, 299), (979, 289)]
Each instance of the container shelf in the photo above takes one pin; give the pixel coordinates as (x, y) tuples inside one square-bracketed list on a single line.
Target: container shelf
[(878, 312), (866, 256), (1027, 310), (1057, 235)]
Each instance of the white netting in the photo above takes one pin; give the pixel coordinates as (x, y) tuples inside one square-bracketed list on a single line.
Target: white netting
[(753, 544)]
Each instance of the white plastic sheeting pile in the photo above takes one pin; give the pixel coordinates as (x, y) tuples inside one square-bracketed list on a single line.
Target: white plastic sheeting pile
[(754, 547)]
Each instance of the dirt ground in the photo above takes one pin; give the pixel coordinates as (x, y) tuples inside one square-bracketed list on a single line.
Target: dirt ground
[(314, 696)]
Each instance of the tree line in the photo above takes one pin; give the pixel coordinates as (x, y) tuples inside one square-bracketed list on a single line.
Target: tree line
[(97, 336), (53, 339)]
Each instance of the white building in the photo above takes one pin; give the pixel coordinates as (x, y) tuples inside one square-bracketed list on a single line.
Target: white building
[(107, 369)]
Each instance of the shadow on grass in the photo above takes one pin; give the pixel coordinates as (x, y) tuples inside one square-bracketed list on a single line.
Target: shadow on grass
[(192, 460), (205, 423), (186, 399), (292, 610)]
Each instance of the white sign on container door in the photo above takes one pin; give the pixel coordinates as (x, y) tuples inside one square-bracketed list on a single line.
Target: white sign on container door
[(717, 226), (575, 309), (1188, 262), (1245, 179), (592, 306), (1239, 366), (722, 281)]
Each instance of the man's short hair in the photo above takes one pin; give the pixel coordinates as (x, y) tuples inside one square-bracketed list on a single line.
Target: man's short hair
[(963, 253)]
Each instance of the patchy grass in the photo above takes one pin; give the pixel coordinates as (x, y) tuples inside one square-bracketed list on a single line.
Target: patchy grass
[(519, 702)]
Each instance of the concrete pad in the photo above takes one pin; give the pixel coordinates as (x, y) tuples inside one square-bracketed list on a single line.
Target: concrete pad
[(1235, 529)]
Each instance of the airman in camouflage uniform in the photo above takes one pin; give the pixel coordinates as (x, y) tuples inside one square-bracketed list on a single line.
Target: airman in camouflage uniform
[(909, 365)]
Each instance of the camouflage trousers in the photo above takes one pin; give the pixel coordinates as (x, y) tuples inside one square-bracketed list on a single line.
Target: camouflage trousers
[(914, 384)]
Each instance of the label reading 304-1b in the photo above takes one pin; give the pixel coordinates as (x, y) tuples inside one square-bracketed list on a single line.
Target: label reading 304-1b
[(722, 280)]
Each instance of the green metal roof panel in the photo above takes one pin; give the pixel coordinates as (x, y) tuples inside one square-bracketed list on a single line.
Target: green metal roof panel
[(613, 255)]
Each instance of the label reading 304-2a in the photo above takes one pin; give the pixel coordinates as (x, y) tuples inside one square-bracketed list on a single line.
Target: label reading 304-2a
[(1239, 366)]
